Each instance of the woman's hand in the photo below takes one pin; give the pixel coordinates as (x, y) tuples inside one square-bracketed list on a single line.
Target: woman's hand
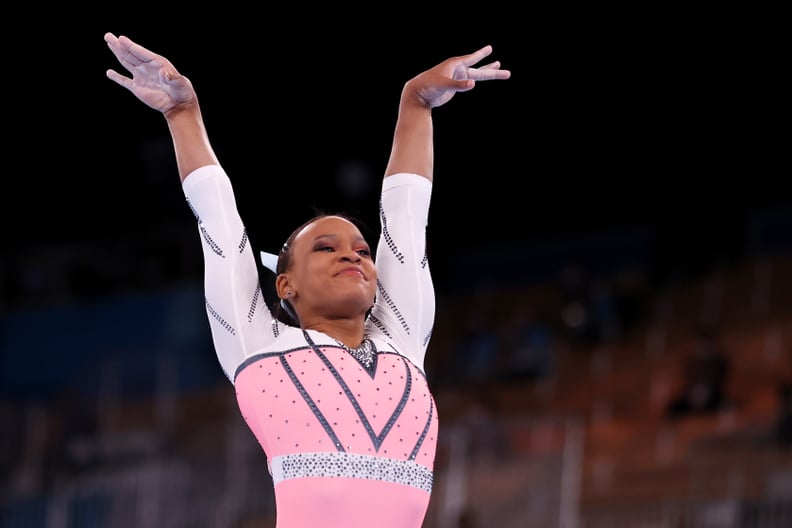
[(155, 81), (436, 86)]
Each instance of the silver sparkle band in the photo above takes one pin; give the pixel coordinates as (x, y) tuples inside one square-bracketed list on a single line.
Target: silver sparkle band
[(351, 465)]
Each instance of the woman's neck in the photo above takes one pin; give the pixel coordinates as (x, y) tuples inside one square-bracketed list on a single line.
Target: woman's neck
[(347, 331)]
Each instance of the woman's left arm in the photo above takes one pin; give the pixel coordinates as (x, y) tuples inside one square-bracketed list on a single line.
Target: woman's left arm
[(405, 307), (412, 150)]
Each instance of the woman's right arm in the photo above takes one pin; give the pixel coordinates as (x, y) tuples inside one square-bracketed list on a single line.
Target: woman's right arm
[(156, 82), (239, 319)]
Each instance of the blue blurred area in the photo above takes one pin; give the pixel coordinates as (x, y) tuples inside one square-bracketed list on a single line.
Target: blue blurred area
[(74, 345)]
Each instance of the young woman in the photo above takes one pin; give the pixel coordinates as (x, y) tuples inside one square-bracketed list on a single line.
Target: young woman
[(331, 379)]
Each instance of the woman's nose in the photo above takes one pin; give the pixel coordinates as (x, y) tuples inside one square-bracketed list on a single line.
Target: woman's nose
[(351, 256)]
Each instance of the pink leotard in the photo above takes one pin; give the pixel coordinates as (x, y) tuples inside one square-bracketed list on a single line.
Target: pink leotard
[(350, 439)]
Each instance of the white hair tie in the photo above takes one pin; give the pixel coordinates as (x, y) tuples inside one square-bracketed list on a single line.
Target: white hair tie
[(269, 261)]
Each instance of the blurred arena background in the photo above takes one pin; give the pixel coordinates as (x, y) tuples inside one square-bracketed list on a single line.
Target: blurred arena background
[(611, 239)]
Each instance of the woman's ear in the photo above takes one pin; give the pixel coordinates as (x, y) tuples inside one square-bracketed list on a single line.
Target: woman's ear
[(283, 286)]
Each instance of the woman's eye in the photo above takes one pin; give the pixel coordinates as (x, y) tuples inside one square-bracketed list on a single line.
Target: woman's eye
[(365, 252), (325, 248)]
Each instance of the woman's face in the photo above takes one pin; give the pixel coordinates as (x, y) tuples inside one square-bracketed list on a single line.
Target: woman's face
[(332, 270)]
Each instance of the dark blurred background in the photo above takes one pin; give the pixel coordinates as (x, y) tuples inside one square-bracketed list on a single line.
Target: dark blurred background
[(664, 120), (667, 120), (639, 151)]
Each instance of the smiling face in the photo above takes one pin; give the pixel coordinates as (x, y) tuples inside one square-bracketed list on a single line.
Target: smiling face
[(331, 271)]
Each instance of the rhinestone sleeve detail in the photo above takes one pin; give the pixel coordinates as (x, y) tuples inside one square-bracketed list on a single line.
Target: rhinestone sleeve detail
[(254, 302), (386, 236), (216, 316), (243, 242), (386, 298)]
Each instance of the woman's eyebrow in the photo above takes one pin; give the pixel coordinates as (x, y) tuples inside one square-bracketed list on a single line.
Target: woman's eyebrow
[(333, 236)]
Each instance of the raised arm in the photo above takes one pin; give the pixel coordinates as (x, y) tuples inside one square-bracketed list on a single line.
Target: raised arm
[(239, 319), (413, 147), (156, 82)]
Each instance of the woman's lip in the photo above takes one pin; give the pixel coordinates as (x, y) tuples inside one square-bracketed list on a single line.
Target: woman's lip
[(351, 271)]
